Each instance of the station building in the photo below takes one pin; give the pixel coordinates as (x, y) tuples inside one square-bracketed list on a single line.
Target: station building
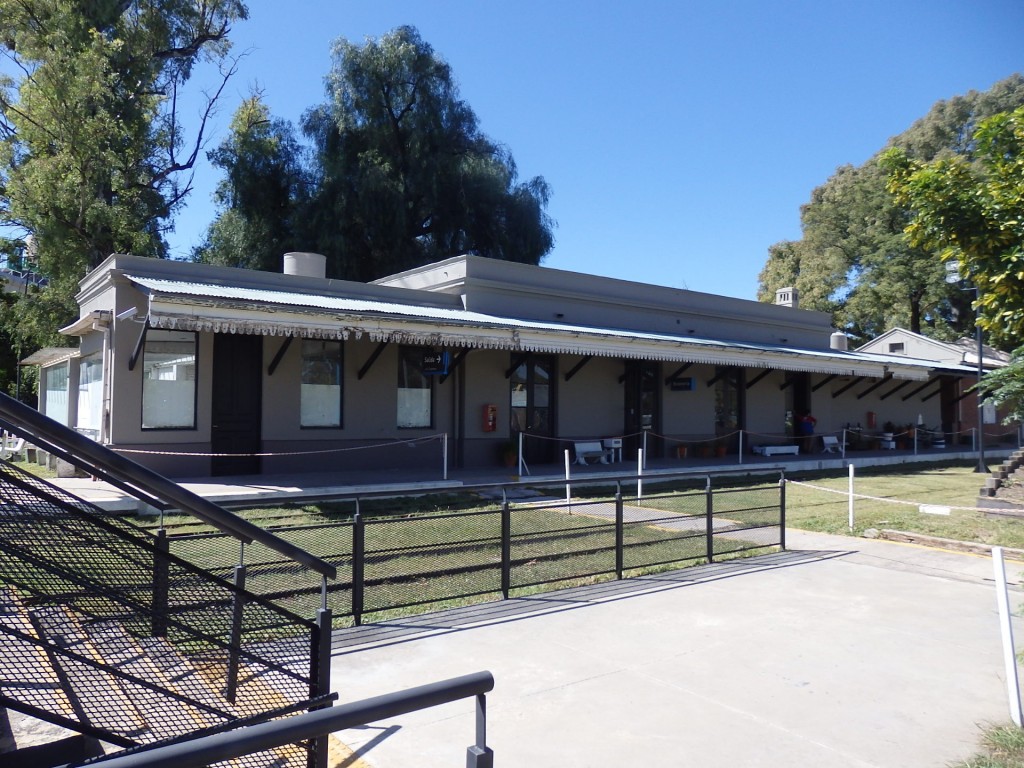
[(201, 370)]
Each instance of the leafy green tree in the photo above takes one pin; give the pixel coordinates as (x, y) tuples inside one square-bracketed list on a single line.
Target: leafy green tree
[(403, 174), (973, 212), (262, 195), (93, 159), (1006, 387), (855, 260)]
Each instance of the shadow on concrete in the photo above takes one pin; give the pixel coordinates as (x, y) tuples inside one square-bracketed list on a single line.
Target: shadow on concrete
[(408, 628)]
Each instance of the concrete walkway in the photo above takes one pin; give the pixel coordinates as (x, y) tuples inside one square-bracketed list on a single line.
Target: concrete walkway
[(840, 652)]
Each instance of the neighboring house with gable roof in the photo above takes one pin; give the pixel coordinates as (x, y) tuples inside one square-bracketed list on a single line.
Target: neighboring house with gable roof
[(961, 414)]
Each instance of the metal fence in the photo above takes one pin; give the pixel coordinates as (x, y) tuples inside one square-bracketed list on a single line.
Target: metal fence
[(487, 542), (143, 646)]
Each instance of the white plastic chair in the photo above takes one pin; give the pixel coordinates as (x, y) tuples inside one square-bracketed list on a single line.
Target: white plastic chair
[(12, 446)]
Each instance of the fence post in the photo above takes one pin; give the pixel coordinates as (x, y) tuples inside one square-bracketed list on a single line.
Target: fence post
[(235, 643), (709, 521), (358, 565), (1006, 630), (640, 475), (444, 454), (161, 584), (850, 493), (842, 448), (974, 438), (620, 534), (782, 511), (320, 682), (480, 755), (506, 545), (568, 487), (741, 446)]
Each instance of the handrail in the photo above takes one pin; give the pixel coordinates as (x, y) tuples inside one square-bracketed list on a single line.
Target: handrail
[(135, 479), (207, 750)]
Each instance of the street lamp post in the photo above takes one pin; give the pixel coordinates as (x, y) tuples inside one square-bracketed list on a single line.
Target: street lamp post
[(953, 276), (982, 467)]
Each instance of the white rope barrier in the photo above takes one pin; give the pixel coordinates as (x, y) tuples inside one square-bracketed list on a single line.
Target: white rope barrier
[(888, 500), (412, 441)]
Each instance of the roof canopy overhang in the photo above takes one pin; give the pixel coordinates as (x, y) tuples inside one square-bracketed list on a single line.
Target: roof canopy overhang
[(223, 309)]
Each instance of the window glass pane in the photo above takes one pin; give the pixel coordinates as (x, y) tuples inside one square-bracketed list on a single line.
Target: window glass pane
[(90, 395), (56, 403), (414, 389), (169, 380), (320, 397)]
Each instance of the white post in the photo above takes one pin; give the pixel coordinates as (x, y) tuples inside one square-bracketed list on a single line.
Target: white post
[(639, 474), (568, 487), (645, 447), (842, 448), (741, 446), (1006, 628), (519, 466), (850, 503), (444, 454)]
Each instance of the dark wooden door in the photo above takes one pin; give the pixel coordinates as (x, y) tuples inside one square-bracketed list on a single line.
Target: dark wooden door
[(237, 403), (642, 407), (532, 407)]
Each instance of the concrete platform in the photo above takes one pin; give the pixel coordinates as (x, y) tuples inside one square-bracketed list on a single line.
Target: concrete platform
[(841, 653), (241, 490)]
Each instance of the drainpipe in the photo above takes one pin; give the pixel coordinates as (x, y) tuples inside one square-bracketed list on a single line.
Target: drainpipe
[(103, 324)]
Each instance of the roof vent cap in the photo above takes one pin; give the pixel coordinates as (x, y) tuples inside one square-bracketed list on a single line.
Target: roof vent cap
[(305, 264), (839, 341)]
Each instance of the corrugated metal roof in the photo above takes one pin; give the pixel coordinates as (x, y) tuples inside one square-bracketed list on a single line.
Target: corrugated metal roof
[(236, 309)]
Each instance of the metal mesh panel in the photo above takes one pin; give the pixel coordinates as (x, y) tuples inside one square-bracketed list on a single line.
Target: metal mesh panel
[(284, 582), (422, 559), (139, 646), (562, 541), (664, 528), (747, 518)]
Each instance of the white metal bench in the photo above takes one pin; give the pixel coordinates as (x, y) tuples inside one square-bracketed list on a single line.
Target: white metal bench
[(772, 450), (830, 444), (590, 449)]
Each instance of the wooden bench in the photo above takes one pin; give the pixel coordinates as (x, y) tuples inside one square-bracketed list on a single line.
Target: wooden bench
[(590, 449), (771, 450)]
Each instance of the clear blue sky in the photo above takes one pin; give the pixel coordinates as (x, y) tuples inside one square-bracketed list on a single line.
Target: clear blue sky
[(679, 138)]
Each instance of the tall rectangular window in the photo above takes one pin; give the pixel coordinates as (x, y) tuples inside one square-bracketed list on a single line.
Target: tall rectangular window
[(56, 403), (414, 389), (90, 395), (169, 380), (320, 397)]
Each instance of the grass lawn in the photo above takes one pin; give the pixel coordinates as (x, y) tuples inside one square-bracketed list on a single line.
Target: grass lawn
[(957, 486)]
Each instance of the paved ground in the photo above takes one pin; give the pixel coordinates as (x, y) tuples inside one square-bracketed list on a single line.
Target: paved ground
[(839, 653)]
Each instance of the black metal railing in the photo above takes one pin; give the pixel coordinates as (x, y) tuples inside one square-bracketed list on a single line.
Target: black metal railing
[(140, 482), (142, 645), (203, 751), (469, 549)]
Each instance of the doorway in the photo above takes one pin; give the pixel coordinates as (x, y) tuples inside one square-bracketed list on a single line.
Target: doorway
[(237, 404), (532, 406), (642, 407)]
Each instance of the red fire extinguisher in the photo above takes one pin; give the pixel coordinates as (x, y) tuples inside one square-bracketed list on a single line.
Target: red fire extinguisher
[(490, 421)]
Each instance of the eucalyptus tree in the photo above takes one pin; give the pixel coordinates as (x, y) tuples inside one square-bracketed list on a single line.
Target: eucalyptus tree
[(93, 156)]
